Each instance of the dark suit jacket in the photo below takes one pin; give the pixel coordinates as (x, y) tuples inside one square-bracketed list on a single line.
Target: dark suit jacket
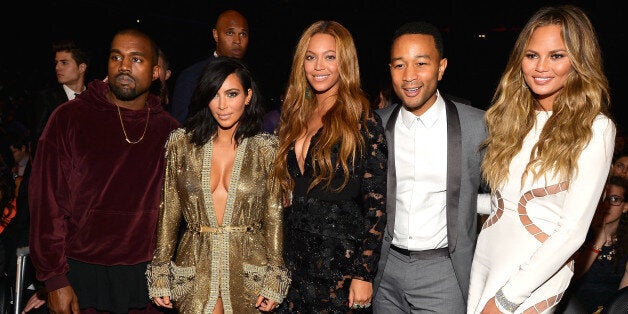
[(46, 101), (184, 88), (465, 132)]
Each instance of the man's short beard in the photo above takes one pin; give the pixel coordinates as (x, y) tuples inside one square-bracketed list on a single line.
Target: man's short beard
[(124, 94)]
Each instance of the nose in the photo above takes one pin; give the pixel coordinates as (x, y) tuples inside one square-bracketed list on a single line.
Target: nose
[(318, 65), (125, 64), (409, 74), (222, 104), (541, 65)]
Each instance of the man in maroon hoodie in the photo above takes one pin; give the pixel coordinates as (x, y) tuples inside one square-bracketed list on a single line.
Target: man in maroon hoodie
[(95, 187)]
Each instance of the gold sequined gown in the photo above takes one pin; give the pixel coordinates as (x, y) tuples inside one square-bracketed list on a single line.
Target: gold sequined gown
[(238, 260)]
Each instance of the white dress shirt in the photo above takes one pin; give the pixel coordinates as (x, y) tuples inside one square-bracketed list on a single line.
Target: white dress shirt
[(69, 92), (421, 169)]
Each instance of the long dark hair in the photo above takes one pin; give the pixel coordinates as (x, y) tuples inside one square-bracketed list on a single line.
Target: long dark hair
[(201, 123)]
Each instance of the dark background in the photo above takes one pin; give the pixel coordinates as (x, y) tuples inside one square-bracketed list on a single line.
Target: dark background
[(183, 30)]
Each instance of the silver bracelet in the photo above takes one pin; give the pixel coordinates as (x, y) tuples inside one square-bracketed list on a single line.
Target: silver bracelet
[(504, 303)]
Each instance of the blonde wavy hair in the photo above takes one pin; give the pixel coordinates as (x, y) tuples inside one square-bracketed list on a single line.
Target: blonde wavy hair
[(566, 133), (341, 123)]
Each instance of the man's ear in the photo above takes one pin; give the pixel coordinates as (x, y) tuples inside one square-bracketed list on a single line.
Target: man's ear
[(156, 71)]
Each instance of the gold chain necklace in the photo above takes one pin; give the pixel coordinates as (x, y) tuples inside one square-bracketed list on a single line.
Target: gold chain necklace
[(126, 137)]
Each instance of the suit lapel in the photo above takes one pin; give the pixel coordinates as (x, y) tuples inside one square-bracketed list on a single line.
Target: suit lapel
[(392, 176), (454, 166)]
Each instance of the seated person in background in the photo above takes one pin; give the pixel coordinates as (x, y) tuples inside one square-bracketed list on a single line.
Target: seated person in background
[(7, 205), (620, 165), (600, 264)]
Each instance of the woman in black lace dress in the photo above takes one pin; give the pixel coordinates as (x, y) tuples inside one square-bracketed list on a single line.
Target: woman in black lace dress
[(332, 166)]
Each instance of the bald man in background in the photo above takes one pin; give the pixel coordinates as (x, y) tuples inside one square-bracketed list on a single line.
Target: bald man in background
[(231, 34)]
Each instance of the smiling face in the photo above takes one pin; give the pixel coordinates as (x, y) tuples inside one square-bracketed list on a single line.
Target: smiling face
[(545, 64), (229, 103), (321, 64), (415, 69)]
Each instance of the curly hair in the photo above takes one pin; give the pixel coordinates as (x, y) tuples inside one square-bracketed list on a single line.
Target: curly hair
[(341, 124), (566, 133)]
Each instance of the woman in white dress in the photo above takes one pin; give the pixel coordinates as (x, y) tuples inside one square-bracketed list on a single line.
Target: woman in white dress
[(548, 155)]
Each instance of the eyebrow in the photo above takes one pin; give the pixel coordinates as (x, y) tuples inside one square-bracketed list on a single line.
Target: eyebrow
[(326, 51)]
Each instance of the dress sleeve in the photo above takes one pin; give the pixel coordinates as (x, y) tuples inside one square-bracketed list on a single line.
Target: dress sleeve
[(277, 278), (579, 206), (49, 202), (373, 196), (484, 203), (158, 271)]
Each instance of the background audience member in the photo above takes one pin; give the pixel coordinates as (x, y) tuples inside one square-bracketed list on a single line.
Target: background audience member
[(161, 87), (385, 96), (620, 165), (9, 211), (231, 34), (600, 264), (71, 63)]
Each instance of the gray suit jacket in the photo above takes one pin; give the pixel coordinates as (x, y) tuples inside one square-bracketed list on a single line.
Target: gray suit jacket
[(465, 132)]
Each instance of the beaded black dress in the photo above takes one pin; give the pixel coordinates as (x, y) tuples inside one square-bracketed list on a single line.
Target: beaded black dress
[(334, 236)]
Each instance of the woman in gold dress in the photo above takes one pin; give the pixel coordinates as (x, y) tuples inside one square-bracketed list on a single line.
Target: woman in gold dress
[(229, 259)]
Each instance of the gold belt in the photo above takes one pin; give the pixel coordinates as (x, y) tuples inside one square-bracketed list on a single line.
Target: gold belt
[(225, 229)]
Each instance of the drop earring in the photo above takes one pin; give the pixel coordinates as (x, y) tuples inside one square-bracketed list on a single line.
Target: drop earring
[(308, 93)]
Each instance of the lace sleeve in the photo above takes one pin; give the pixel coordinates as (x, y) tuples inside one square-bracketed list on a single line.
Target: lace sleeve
[(373, 196)]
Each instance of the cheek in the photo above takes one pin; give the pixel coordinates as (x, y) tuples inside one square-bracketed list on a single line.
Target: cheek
[(308, 67), (213, 105), (395, 77), (563, 69), (429, 75), (527, 67), (238, 105)]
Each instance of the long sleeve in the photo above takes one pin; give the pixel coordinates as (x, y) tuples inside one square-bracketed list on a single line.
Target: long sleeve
[(158, 273), (374, 200), (49, 206), (277, 278), (577, 211)]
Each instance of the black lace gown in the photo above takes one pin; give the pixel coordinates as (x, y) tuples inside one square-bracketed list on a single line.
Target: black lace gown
[(332, 237)]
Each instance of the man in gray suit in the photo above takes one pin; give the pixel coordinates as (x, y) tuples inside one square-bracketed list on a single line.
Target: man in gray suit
[(433, 182)]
